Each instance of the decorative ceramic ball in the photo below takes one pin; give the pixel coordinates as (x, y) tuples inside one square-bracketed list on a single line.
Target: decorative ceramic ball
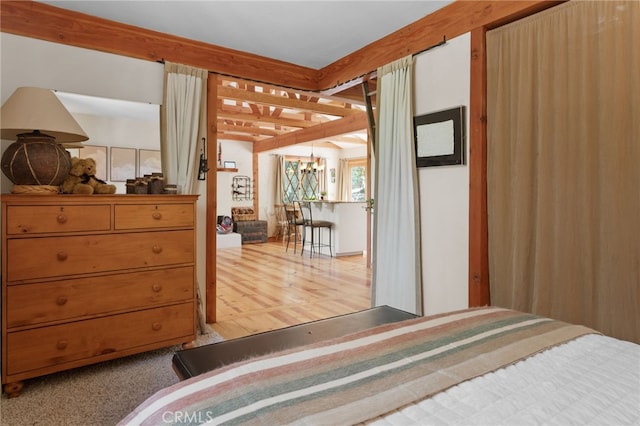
[(36, 161)]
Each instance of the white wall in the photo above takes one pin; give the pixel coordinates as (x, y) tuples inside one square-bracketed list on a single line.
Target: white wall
[(29, 62), (242, 154), (442, 81), (266, 170), (119, 132)]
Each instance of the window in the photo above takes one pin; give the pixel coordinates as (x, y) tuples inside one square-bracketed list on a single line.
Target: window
[(303, 179), (291, 180), (358, 179)]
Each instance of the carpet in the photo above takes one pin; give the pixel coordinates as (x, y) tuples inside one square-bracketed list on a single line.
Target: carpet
[(99, 394)]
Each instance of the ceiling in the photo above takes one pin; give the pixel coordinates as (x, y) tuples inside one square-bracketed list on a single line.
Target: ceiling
[(307, 33), (303, 32)]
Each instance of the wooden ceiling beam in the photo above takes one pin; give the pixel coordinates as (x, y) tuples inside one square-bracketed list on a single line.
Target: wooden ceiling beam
[(282, 121), (283, 86), (253, 130), (289, 102), (255, 109), (332, 95), (236, 137), (349, 139), (457, 18), (46, 22), (349, 124)]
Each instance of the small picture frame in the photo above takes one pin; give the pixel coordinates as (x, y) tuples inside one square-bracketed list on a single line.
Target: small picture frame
[(123, 164), (439, 138), (229, 164), (149, 161)]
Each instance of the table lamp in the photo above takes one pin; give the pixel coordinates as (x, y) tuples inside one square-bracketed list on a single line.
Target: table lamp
[(38, 122)]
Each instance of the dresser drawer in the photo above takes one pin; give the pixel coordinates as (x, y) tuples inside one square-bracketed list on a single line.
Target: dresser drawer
[(143, 216), (62, 218), (48, 346), (31, 258), (30, 304)]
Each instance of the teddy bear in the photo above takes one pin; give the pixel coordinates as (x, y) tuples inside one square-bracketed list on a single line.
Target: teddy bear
[(82, 179)]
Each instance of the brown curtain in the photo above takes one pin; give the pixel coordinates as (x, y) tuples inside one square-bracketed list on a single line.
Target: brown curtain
[(564, 165)]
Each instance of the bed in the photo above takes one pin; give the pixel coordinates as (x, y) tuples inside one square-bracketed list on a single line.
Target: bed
[(476, 366)]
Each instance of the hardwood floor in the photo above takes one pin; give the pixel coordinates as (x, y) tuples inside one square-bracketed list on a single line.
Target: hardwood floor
[(261, 287)]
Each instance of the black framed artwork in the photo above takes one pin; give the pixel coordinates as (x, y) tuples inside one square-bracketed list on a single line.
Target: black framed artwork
[(439, 138)]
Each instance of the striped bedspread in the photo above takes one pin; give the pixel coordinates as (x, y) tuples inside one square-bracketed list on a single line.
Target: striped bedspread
[(356, 378)]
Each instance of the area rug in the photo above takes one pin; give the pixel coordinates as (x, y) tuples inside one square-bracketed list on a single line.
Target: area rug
[(100, 394)]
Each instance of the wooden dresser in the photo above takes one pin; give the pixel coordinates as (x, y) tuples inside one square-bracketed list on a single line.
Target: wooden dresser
[(91, 278)]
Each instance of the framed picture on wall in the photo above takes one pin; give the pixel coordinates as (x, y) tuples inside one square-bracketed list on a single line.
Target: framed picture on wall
[(439, 138), (149, 161), (99, 154), (123, 164)]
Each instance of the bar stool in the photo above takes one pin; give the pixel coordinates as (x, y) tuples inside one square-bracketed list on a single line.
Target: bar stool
[(313, 225), (294, 221), (281, 222)]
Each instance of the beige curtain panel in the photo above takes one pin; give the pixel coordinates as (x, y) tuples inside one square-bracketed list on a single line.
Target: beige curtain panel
[(564, 165), (397, 276), (278, 180), (183, 118), (343, 180)]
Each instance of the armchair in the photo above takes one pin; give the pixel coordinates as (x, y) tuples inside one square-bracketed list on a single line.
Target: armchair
[(246, 224)]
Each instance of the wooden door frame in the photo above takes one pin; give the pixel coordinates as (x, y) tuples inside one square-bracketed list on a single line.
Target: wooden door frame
[(478, 278), (212, 201), (478, 228)]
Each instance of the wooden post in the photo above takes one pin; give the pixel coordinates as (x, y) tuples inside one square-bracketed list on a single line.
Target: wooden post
[(212, 194)]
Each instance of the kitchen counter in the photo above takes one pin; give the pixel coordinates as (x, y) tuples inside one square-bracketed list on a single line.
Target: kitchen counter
[(350, 225)]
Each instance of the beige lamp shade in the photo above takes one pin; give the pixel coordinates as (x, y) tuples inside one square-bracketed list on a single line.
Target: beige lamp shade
[(38, 122), (32, 108)]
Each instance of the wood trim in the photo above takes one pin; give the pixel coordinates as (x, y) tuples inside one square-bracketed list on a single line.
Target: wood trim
[(351, 123), (478, 229), (45, 22), (276, 100), (212, 202), (459, 17), (281, 121)]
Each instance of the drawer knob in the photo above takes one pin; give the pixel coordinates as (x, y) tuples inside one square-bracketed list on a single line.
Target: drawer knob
[(157, 249), (62, 218), (61, 300), (156, 326), (62, 344), (157, 215), (156, 287), (62, 256)]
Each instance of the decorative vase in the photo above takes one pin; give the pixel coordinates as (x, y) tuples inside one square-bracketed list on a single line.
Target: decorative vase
[(36, 159)]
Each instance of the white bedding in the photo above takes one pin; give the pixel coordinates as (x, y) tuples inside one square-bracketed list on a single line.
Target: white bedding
[(572, 384), (541, 371)]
